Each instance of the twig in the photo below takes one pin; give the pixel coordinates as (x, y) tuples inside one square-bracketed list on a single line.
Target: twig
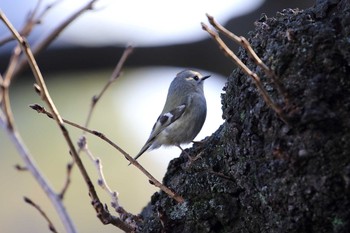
[(68, 180), (34, 66), (1, 89), (38, 19), (30, 202), (251, 53), (246, 70), (70, 165), (102, 182), (28, 26), (102, 213), (116, 73), (54, 34), (153, 180), (97, 162), (30, 165), (5, 104), (125, 216), (21, 168), (6, 84), (31, 21), (44, 43)]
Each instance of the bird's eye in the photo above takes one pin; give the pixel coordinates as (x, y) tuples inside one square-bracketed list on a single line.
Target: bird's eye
[(195, 78)]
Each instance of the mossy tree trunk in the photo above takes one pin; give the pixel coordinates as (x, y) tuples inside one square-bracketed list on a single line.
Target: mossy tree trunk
[(257, 173)]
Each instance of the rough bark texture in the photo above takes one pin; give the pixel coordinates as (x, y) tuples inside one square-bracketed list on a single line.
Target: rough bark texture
[(258, 174)]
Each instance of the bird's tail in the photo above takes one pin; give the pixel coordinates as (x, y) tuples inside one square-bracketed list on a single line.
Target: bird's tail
[(143, 150)]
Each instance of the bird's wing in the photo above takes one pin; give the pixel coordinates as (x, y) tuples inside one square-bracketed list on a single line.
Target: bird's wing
[(163, 121), (166, 119)]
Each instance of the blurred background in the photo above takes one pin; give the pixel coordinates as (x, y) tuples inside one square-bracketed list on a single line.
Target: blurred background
[(168, 38)]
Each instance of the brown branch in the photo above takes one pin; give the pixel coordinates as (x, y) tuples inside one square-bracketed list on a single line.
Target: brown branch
[(5, 104), (5, 84), (251, 53), (116, 73), (12, 66), (153, 180), (37, 48), (21, 168), (8, 120), (224, 48), (1, 90), (28, 26), (5, 99), (34, 66), (31, 166), (102, 182), (102, 213), (37, 207), (31, 21), (70, 165), (128, 218), (68, 180)]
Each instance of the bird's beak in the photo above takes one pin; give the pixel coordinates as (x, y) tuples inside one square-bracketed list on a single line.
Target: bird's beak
[(205, 77)]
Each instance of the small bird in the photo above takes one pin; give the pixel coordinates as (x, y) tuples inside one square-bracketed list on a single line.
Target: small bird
[(183, 114)]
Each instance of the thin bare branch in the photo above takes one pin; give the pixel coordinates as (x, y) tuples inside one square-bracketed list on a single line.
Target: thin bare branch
[(96, 98), (21, 168), (102, 213), (37, 48), (224, 48), (102, 182), (1, 90), (31, 20), (47, 8), (5, 98), (116, 73), (251, 53), (68, 180), (5, 104), (44, 184), (34, 18), (153, 180), (34, 66), (37, 207), (26, 157)]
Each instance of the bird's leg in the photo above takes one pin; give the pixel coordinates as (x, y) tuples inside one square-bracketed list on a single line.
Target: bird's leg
[(192, 159), (183, 150)]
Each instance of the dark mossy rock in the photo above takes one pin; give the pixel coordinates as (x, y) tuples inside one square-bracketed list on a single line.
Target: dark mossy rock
[(257, 173)]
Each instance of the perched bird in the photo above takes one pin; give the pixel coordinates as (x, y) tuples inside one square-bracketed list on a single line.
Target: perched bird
[(183, 114)]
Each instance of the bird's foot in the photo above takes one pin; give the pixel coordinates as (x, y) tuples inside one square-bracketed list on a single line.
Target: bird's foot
[(194, 158), (191, 159)]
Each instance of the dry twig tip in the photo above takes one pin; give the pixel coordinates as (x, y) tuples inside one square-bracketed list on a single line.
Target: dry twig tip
[(246, 45)]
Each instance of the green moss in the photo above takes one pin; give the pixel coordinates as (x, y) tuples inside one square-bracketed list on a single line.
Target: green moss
[(337, 224)]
